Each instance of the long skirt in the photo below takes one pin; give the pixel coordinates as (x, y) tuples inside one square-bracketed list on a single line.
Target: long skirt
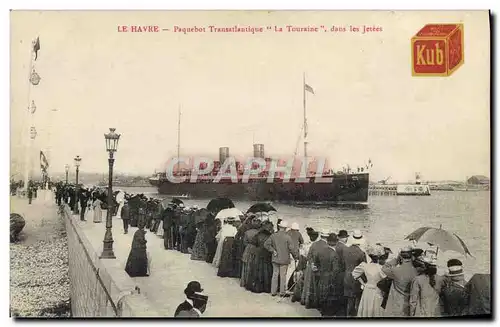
[(299, 286), (211, 248), (199, 248), (97, 215), (262, 272), (137, 263), (218, 254), (89, 213), (226, 266), (160, 230), (244, 264), (371, 302), (156, 224), (238, 249), (310, 289), (251, 271)]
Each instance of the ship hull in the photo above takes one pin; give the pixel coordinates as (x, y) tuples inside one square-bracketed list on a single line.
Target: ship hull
[(350, 188)]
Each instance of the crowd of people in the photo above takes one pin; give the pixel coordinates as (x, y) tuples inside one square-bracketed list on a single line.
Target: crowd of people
[(340, 274), (337, 273)]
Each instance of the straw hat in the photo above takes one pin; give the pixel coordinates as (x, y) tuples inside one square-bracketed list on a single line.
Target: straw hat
[(283, 224), (357, 238), (324, 233), (454, 268)]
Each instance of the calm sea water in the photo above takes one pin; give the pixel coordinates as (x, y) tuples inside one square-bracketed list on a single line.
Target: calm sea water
[(388, 219)]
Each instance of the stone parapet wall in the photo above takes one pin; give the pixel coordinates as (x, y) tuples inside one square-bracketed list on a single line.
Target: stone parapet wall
[(99, 287)]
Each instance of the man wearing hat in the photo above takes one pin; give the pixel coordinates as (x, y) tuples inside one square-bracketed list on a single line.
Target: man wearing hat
[(454, 294), (341, 245), (331, 280), (281, 246), (195, 303), (125, 214), (353, 256), (296, 236), (402, 275), (310, 297)]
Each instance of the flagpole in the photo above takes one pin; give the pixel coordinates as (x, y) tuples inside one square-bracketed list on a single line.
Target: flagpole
[(178, 138), (305, 118), (27, 161)]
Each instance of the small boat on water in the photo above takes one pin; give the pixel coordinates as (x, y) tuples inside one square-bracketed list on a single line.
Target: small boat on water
[(182, 196)]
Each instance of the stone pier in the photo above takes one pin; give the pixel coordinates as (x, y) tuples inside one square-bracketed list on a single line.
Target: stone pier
[(101, 287)]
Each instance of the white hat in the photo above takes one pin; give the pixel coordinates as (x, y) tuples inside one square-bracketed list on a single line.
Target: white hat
[(295, 226), (283, 224), (357, 234), (357, 238), (324, 233), (195, 207), (181, 205)]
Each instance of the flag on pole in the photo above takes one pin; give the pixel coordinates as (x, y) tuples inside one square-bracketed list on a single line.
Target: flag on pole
[(36, 47), (44, 164), (308, 88)]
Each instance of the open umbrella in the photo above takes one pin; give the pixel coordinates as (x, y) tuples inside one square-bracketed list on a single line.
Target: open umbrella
[(261, 207), (219, 204), (201, 215), (443, 239), (177, 201), (230, 212)]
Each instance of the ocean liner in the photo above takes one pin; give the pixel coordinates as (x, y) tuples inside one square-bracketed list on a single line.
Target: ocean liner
[(344, 187)]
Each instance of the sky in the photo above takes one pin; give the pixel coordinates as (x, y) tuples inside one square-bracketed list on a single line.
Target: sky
[(236, 89)]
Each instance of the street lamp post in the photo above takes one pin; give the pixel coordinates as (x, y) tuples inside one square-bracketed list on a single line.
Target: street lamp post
[(66, 167), (111, 146), (77, 165)]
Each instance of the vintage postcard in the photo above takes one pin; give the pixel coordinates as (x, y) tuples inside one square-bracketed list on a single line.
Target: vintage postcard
[(250, 164)]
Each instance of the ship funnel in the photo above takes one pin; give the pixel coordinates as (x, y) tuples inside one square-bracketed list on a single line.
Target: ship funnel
[(258, 150), (223, 154)]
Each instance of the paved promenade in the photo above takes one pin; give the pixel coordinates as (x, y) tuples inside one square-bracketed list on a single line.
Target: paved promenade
[(39, 281), (172, 270)]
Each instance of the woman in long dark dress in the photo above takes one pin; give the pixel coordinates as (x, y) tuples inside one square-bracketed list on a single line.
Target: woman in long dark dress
[(199, 249), (239, 246), (209, 238), (137, 263), (250, 254), (262, 269)]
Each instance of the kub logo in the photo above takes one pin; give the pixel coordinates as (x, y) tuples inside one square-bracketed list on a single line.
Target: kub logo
[(437, 50)]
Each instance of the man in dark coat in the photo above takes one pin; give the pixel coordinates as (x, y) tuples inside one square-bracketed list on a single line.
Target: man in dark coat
[(402, 272), (72, 200), (331, 284), (310, 292), (58, 194), (125, 214), (479, 291), (30, 194), (209, 238), (168, 238), (195, 303), (84, 198), (353, 256)]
